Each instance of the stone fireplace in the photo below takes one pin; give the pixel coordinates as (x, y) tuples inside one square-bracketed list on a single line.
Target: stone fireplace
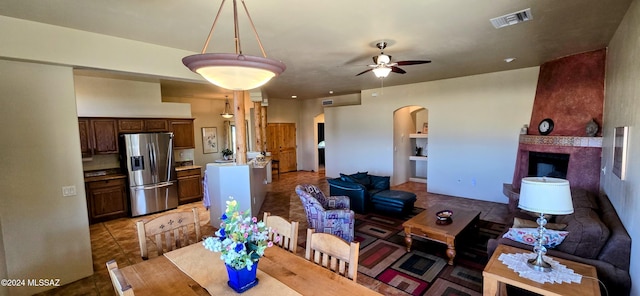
[(571, 92)]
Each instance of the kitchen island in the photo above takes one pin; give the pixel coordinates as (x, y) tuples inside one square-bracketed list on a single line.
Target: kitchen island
[(245, 182)]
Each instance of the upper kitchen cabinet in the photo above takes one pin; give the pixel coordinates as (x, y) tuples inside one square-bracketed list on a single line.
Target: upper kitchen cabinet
[(85, 134), (156, 125), (98, 136), (183, 137), (105, 136), (130, 125)]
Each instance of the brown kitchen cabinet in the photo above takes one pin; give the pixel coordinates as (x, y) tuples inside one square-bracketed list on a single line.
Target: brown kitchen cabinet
[(130, 125), (189, 185), (107, 199), (98, 136), (156, 125), (183, 137)]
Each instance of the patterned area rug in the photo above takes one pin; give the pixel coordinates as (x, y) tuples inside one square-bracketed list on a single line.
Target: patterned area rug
[(424, 270)]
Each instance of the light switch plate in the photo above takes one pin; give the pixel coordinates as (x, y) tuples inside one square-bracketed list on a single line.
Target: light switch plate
[(69, 190)]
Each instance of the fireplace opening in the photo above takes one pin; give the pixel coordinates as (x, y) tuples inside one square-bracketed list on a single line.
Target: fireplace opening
[(542, 164)]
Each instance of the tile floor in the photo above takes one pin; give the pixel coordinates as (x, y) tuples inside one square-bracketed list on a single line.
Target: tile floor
[(117, 239)]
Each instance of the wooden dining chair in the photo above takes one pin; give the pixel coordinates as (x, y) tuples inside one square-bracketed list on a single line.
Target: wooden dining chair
[(333, 252), (286, 231), (120, 284), (169, 231)]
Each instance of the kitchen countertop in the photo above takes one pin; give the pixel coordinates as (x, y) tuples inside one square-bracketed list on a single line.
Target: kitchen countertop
[(104, 177), (187, 167)]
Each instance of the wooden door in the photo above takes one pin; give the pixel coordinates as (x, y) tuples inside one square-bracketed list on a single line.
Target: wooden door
[(281, 142)]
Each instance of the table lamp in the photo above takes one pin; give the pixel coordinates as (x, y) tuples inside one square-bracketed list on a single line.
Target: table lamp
[(545, 196)]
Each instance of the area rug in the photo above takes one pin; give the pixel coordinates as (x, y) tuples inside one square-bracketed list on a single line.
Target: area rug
[(424, 270)]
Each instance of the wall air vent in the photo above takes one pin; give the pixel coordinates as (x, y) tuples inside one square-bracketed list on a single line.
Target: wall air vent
[(512, 18), (327, 102)]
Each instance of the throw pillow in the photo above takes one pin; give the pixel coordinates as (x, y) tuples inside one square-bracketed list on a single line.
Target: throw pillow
[(524, 223), (528, 236)]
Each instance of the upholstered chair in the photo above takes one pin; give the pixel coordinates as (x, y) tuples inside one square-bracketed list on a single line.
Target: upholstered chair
[(328, 214)]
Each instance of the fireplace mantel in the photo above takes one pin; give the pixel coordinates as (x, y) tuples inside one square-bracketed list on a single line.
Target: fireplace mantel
[(568, 141)]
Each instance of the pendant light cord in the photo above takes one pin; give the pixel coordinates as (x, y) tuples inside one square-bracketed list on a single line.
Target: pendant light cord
[(235, 28)]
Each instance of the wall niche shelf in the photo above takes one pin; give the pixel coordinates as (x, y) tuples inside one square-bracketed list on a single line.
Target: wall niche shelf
[(418, 162)]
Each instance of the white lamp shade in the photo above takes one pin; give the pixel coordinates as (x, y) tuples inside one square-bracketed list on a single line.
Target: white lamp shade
[(381, 72), (234, 71), (545, 195)]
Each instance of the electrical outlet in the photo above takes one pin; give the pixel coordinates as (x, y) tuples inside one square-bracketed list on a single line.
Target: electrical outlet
[(69, 190)]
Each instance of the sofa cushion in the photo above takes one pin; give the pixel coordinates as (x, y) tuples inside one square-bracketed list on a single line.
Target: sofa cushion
[(583, 199), (528, 236), (360, 178), (380, 182), (587, 233)]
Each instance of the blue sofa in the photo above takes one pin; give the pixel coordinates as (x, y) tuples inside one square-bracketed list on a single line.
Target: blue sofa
[(371, 193)]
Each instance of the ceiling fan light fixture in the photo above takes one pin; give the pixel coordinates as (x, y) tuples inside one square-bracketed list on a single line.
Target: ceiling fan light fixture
[(234, 71), (381, 72)]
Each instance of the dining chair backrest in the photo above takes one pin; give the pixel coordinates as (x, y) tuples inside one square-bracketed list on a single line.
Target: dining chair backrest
[(169, 231), (284, 234), (333, 252), (120, 284)]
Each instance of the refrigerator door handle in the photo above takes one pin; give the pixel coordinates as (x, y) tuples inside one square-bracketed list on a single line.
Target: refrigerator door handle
[(152, 157), (159, 185)]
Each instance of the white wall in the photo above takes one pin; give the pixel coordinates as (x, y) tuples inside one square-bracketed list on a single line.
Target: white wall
[(310, 113), (403, 125), (32, 41), (474, 124), (107, 97), (622, 108), (45, 235), (288, 111)]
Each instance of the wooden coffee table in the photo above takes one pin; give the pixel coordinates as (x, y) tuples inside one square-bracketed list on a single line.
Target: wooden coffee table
[(496, 272), (425, 225)]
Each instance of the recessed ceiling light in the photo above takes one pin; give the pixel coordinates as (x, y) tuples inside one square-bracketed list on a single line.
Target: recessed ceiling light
[(294, 97), (509, 60), (331, 92)]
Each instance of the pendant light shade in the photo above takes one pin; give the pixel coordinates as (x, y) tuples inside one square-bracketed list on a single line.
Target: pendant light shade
[(227, 109), (234, 71)]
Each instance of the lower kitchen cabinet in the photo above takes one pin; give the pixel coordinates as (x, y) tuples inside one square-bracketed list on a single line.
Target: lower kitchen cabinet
[(189, 185), (107, 199)]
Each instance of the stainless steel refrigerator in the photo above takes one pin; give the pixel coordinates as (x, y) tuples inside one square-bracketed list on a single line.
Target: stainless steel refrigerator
[(148, 161)]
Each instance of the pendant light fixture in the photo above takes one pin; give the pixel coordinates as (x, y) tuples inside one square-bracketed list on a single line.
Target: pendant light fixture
[(227, 108), (234, 71)]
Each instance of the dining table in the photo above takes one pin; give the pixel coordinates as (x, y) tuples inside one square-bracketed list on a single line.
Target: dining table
[(194, 270)]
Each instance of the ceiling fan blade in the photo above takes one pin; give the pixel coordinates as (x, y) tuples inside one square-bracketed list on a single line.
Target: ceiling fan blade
[(395, 69), (416, 62), (375, 59), (365, 71)]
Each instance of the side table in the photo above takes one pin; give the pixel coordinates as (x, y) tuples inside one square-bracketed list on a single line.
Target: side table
[(496, 273)]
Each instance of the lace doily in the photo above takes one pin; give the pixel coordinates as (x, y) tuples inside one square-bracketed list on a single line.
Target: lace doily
[(558, 274)]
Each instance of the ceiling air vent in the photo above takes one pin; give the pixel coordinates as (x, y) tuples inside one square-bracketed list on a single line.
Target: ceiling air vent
[(327, 102), (512, 18)]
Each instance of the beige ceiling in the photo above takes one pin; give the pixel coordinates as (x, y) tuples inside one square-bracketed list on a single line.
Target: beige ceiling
[(325, 43)]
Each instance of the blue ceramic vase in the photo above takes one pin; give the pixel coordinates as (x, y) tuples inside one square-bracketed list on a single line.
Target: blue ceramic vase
[(242, 280)]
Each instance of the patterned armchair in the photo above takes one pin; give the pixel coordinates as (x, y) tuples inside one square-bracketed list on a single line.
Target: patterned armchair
[(327, 214)]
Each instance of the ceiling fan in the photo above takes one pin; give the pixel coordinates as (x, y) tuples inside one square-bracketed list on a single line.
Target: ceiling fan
[(383, 65)]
